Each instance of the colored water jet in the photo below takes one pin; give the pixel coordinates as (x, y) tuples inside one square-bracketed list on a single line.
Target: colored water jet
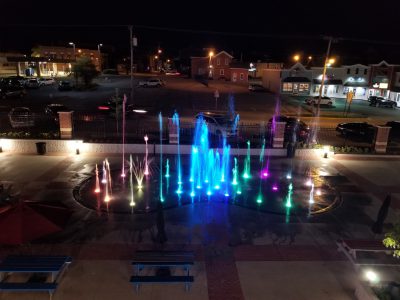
[(146, 170), (167, 175), (97, 189), (289, 196), (161, 158), (123, 137), (247, 170), (132, 200), (175, 121)]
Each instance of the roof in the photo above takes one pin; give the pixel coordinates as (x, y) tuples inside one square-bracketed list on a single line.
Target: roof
[(296, 79), (328, 81), (221, 52), (38, 59)]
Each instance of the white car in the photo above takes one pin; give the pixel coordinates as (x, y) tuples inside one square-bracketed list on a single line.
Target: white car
[(324, 101), (46, 81), (218, 124), (154, 82)]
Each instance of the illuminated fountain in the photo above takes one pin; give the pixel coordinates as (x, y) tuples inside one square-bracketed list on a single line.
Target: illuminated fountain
[(207, 174), (146, 158)]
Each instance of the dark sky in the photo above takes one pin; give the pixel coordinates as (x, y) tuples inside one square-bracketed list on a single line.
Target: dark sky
[(276, 29)]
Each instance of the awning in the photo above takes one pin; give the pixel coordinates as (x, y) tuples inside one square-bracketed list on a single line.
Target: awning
[(328, 81), (356, 84), (296, 79)]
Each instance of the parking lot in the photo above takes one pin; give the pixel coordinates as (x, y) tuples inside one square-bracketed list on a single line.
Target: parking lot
[(187, 97)]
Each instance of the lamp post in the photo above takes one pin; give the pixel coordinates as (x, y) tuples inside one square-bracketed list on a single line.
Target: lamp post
[(100, 60), (73, 45), (210, 55)]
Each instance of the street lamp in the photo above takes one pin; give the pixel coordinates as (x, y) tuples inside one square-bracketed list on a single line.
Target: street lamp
[(73, 45), (296, 58), (210, 54), (98, 49)]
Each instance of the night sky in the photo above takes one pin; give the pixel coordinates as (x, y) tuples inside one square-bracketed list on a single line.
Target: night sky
[(267, 30)]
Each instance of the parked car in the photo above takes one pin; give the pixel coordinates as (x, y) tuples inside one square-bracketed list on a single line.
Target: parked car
[(381, 102), (46, 81), (172, 73), (52, 110), (257, 88), (16, 79), (114, 106), (154, 82), (21, 117), (295, 129), (324, 101), (65, 85), (219, 124), (8, 90), (357, 129), (394, 133), (32, 83)]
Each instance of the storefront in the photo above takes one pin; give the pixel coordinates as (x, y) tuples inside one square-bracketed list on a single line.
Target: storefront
[(359, 88), (331, 88), (296, 85)]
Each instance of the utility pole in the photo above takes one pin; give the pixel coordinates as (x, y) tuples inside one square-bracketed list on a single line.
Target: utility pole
[(323, 74), (131, 45)]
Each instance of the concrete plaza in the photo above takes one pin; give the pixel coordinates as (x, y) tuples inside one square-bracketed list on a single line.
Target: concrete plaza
[(240, 253)]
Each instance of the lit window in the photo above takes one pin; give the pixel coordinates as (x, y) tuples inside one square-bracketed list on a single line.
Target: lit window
[(287, 87)]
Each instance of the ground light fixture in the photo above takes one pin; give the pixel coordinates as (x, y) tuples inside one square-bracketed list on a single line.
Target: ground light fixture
[(371, 276), (78, 145)]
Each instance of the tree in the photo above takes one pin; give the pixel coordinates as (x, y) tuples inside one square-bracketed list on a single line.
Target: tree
[(85, 69), (392, 240)]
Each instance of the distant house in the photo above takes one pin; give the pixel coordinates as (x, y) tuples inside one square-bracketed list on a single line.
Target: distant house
[(219, 67)]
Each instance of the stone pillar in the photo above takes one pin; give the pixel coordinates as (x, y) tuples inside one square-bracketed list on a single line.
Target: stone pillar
[(381, 139), (66, 124), (278, 134), (172, 132)]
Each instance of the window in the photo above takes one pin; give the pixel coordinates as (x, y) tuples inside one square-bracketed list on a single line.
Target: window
[(336, 89), (218, 61), (303, 87), (226, 61), (287, 87), (356, 71), (221, 72), (241, 76), (345, 90), (365, 71), (316, 88), (348, 71)]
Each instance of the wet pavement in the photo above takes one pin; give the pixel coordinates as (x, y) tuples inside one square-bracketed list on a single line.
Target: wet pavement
[(240, 253)]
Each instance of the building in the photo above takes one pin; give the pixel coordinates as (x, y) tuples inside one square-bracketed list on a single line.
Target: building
[(384, 81), (220, 67), (295, 80), (8, 67)]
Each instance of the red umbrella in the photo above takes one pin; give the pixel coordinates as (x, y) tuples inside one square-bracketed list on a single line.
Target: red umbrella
[(22, 224), (55, 212)]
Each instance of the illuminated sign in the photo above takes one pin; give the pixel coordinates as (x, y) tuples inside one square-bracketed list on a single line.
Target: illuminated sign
[(383, 85)]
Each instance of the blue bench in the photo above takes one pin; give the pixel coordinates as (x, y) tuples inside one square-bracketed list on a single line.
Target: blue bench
[(55, 265), (138, 280)]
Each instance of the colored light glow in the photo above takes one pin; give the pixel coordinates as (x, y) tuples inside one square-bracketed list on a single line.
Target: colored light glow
[(198, 187), (318, 192), (288, 176), (192, 194), (206, 181), (259, 200), (265, 174), (217, 187), (179, 192), (275, 188), (234, 182), (208, 193), (308, 182), (239, 192), (226, 195), (167, 175), (191, 180), (97, 191), (104, 181), (140, 186), (131, 203), (180, 182), (246, 176), (107, 198)]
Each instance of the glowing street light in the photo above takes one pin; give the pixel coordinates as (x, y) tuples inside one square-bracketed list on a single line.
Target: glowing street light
[(310, 58), (98, 49), (156, 57), (296, 58), (73, 45), (210, 55), (159, 51)]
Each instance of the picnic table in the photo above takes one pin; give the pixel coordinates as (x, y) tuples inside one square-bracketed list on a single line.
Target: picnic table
[(162, 259), (32, 264)]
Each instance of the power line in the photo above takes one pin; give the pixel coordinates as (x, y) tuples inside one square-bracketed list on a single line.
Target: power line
[(210, 32)]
